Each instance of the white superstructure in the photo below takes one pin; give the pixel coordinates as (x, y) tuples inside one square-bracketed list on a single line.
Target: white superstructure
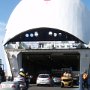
[(67, 15)]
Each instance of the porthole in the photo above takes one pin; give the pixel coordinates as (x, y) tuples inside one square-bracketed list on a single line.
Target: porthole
[(31, 35), (27, 35), (60, 34), (36, 34), (55, 34), (50, 33)]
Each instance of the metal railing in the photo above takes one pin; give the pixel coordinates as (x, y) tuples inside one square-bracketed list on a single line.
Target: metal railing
[(43, 45)]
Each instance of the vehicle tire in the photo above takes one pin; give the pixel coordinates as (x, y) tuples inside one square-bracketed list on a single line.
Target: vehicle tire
[(71, 86), (62, 85), (38, 85)]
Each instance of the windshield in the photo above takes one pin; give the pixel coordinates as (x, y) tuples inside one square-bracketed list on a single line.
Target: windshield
[(43, 76)]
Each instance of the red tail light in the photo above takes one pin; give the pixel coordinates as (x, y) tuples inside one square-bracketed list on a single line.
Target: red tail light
[(48, 78), (13, 86)]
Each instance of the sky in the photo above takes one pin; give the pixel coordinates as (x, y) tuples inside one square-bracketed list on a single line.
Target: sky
[(6, 8), (87, 3)]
